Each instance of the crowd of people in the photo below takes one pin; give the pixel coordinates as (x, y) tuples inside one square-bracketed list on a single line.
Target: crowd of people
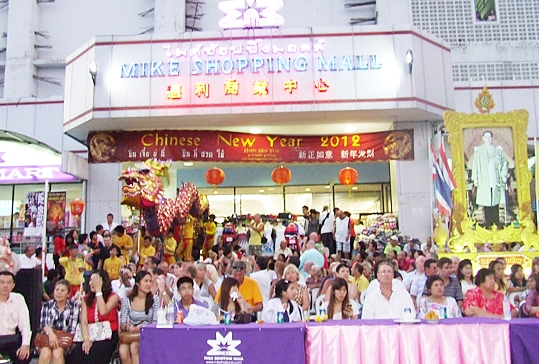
[(103, 289)]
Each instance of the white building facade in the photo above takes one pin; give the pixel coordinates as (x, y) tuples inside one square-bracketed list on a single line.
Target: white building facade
[(48, 96)]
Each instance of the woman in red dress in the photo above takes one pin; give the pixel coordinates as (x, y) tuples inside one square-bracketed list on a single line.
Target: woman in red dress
[(484, 300)]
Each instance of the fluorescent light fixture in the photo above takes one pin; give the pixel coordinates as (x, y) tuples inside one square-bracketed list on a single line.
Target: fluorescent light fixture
[(410, 59), (188, 164), (354, 188), (92, 68), (307, 189), (350, 128), (260, 190), (255, 130)]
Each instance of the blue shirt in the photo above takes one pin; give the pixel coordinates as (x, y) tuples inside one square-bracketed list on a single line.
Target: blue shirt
[(313, 255)]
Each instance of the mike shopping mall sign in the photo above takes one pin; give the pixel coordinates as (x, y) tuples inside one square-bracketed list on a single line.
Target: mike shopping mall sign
[(206, 146)]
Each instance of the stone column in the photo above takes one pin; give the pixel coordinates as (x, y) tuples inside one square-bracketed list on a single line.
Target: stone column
[(23, 20), (412, 184)]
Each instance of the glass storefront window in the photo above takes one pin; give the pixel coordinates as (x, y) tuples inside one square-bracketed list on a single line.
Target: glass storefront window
[(14, 198), (359, 199)]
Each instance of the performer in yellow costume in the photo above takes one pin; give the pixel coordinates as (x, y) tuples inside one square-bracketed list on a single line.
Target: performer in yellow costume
[(170, 246), (185, 248), (210, 228)]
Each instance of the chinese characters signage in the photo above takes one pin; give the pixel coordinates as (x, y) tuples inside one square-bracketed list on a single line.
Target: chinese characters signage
[(187, 145)]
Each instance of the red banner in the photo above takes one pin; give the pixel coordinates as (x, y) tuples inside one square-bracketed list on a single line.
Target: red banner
[(222, 146)]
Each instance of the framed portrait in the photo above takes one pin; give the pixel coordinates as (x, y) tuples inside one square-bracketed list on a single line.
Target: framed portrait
[(485, 11), (490, 166)]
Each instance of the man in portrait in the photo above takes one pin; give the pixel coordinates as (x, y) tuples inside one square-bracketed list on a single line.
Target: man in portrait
[(489, 176)]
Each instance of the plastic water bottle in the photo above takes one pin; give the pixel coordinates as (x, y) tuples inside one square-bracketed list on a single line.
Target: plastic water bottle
[(506, 309), (170, 313)]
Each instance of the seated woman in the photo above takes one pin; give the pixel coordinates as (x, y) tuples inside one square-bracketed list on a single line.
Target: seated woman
[(436, 301), (230, 300), (340, 306), (139, 309), (389, 298), (342, 271), (103, 303), (59, 313), (484, 300), (291, 273), (284, 301), (465, 275), (517, 282), (501, 283), (315, 279), (531, 307)]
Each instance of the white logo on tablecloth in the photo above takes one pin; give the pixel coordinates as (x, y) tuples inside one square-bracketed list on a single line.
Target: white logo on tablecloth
[(222, 348)]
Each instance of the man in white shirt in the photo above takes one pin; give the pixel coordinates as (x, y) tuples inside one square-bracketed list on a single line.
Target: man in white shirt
[(342, 235), (262, 277), (28, 260), (418, 284), (14, 314), (429, 247), (282, 249), (419, 270), (327, 220), (110, 224)]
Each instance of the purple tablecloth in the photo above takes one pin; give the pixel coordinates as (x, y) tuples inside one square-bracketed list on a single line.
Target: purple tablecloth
[(233, 344), (524, 338)]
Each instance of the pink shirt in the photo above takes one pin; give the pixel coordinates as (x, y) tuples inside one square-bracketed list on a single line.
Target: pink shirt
[(14, 313)]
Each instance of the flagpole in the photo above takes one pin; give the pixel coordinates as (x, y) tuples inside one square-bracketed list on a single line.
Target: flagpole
[(432, 187)]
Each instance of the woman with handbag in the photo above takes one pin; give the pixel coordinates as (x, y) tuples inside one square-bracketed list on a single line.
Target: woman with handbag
[(97, 335), (138, 309), (59, 318)]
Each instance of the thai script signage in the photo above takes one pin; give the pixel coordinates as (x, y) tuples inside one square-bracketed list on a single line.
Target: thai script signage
[(187, 145)]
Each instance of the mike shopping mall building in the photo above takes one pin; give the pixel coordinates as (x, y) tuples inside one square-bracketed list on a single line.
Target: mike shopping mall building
[(248, 86)]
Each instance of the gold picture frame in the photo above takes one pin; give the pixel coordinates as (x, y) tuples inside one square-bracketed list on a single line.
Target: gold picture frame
[(464, 233)]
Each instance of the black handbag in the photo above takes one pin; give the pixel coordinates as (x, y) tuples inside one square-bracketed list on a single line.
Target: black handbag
[(242, 318)]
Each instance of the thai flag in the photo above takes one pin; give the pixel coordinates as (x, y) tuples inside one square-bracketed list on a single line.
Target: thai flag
[(442, 191), (446, 171)]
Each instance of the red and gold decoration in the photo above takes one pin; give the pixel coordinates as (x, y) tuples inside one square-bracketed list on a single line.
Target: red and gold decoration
[(143, 190), (281, 175), (214, 176), (348, 176), (484, 101), (469, 229), (222, 146), (77, 208)]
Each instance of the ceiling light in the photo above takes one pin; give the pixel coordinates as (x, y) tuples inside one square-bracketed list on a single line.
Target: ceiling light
[(350, 128), (255, 130), (260, 190), (188, 164), (354, 188), (307, 189)]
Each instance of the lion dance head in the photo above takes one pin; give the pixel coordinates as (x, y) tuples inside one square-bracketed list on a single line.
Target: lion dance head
[(143, 187)]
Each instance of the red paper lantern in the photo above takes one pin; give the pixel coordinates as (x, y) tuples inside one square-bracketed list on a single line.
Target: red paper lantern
[(77, 207), (348, 176), (281, 175), (214, 176)]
